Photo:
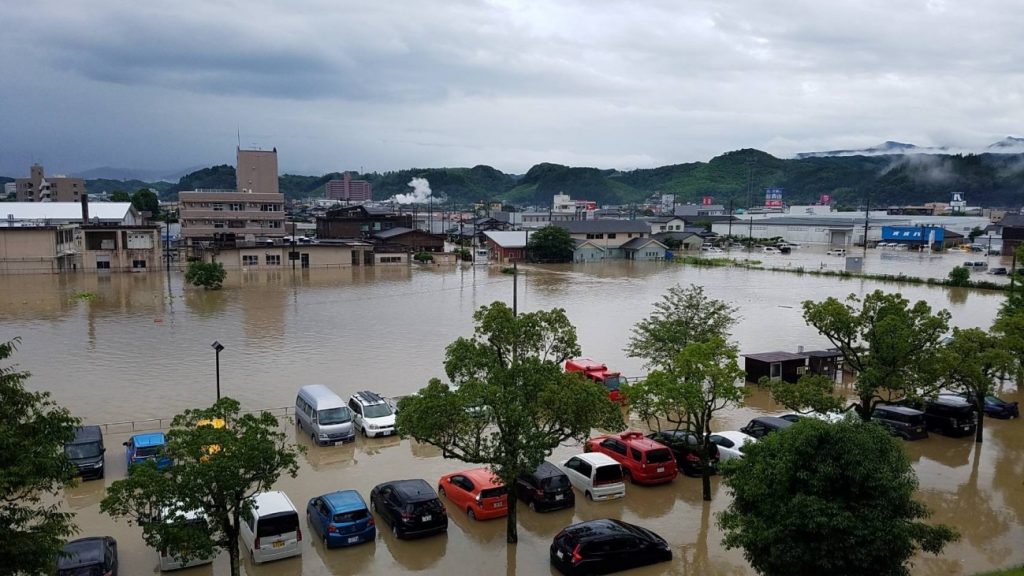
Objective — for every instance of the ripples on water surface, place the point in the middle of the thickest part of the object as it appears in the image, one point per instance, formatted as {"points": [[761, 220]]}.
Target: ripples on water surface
{"points": [[139, 349]]}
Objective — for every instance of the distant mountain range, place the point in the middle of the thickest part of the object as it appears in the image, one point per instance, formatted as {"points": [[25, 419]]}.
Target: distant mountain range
{"points": [[109, 173], [1008, 145]]}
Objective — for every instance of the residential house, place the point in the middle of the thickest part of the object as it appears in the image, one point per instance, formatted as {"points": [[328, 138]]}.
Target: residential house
{"points": [[645, 250], [665, 224], [507, 246], [688, 241], [1012, 226], [413, 240], [587, 251], [785, 366], [360, 221], [610, 235]]}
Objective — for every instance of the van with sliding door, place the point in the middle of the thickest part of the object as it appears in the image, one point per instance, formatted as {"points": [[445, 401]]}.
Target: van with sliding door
{"points": [[271, 531], [323, 415]]}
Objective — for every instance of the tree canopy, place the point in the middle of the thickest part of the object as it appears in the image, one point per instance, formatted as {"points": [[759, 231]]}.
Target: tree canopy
{"points": [[509, 403], [892, 345], [145, 200], [971, 362], [214, 469], [33, 469], [681, 317], [209, 275], [824, 498], [550, 244]]}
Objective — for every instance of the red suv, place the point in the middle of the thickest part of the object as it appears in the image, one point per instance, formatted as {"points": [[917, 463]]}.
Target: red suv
{"points": [[643, 460]]}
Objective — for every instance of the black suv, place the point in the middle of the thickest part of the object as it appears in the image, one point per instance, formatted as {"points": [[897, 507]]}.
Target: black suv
{"points": [[96, 555], [684, 446], [548, 488], [764, 425], [907, 423], [411, 507], [86, 452], [948, 415], [601, 546]]}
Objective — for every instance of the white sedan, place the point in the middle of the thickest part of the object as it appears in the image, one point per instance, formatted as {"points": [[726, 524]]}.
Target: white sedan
{"points": [[729, 444]]}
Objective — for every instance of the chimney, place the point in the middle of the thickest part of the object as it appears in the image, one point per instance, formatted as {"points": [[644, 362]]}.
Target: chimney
{"points": [[85, 209]]}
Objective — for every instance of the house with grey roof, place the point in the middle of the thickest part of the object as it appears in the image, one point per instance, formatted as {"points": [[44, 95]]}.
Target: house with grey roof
{"points": [[609, 235]]}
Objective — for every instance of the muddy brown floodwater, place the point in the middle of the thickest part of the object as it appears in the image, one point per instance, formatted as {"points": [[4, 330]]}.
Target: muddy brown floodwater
{"points": [[139, 348]]}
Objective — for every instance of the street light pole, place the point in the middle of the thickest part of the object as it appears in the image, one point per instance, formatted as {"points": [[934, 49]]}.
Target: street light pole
{"points": [[217, 346]]}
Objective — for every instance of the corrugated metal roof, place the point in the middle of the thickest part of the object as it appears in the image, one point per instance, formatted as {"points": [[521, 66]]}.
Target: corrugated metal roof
{"points": [[508, 239], [608, 226], [64, 211]]}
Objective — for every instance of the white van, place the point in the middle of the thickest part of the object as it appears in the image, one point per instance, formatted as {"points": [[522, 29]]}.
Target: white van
{"points": [[324, 415], [596, 475], [192, 520], [271, 530]]}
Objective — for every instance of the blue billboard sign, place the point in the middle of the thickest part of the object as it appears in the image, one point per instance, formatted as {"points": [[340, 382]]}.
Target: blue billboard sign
{"points": [[920, 234]]}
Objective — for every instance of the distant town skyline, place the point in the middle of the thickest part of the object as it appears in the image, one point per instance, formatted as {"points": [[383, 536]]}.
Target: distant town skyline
{"points": [[385, 86]]}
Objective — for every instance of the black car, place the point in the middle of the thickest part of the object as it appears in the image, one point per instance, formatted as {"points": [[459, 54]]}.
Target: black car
{"points": [[907, 423], [684, 447], [411, 507], [996, 407], [608, 545], [86, 452], [96, 556], [947, 414], [547, 488], [764, 425]]}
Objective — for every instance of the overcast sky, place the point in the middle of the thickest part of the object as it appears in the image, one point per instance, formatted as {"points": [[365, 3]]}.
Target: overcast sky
{"points": [[382, 85]]}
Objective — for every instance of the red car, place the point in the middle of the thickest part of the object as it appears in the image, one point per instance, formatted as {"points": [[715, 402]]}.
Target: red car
{"points": [[643, 460], [477, 492]]}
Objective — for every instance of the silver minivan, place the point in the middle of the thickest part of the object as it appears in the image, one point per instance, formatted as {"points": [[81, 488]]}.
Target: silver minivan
{"points": [[324, 415]]}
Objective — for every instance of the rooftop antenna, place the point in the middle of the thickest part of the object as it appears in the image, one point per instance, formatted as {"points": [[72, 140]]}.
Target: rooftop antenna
{"points": [[238, 133]]}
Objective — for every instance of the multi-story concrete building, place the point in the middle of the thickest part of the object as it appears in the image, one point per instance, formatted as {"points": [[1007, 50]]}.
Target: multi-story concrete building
{"points": [[257, 171], [39, 188], [348, 189], [207, 214], [253, 211]]}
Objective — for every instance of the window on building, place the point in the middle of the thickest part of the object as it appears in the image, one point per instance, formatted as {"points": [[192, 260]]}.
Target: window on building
{"points": [[611, 236], [236, 224], [274, 224], [273, 259], [250, 260], [218, 206], [269, 208], [390, 259], [219, 224], [236, 207], [138, 264], [660, 229], [103, 265]]}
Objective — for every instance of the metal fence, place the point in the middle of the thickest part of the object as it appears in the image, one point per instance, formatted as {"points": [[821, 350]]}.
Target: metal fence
{"points": [[129, 426]]}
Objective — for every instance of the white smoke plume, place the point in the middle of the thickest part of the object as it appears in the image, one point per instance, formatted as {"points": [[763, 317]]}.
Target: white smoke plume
{"points": [[420, 193]]}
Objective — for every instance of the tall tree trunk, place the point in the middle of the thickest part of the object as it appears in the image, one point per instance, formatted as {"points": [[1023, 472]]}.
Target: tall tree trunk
{"points": [[979, 405], [511, 533], [864, 409], [705, 465], [233, 554]]}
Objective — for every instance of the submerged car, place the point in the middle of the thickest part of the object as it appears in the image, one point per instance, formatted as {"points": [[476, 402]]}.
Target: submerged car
{"points": [[547, 488], [607, 545], [730, 444], [476, 491], [643, 460], [341, 519], [684, 446], [411, 507], [88, 557], [143, 447], [996, 407]]}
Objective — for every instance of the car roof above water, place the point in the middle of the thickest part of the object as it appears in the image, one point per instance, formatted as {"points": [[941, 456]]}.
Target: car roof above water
{"points": [[87, 434], [81, 552], [416, 490], [345, 500], [150, 439]]}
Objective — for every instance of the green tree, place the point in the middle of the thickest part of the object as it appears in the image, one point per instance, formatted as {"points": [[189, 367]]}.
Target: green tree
{"points": [[33, 469], [550, 244], [209, 275], [703, 379], [214, 469], [959, 276], [509, 403], [683, 316], [145, 200], [974, 233], [423, 257], [971, 362], [827, 498], [1010, 320], [120, 196], [892, 345]]}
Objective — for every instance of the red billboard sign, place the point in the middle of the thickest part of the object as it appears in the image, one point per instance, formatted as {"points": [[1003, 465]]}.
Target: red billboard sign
{"points": [[708, 201]]}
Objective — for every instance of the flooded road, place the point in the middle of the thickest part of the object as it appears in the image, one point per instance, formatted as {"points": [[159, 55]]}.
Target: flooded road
{"points": [[135, 348]]}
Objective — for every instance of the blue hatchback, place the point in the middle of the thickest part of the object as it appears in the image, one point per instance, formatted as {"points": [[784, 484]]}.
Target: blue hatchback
{"points": [[143, 447], [341, 518]]}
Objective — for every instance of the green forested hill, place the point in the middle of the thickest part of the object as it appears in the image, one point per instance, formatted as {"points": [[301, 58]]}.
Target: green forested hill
{"points": [[739, 176]]}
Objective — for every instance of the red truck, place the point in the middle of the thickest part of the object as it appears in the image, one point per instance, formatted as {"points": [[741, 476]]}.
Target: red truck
{"points": [[598, 372]]}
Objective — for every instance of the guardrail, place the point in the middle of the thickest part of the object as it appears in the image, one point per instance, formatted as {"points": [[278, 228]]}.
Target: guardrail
{"points": [[127, 426]]}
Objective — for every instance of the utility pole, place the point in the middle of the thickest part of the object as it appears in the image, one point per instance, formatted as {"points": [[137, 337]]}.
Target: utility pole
{"points": [[515, 290], [867, 210]]}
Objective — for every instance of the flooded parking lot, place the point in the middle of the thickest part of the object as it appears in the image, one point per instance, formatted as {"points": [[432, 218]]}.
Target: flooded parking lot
{"points": [[133, 347]]}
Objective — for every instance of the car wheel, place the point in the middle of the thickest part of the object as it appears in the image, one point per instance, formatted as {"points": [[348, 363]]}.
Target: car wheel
{"points": [[364, 433], [312, 437], [326, 546], [373, 506], [626, 475], [394, 530], [472, 515], [441, 493], [532, 505], [589, 497]]}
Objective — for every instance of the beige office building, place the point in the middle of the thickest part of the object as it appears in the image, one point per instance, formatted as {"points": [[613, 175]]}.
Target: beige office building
{"points": [[257, 171], [40, 188]]}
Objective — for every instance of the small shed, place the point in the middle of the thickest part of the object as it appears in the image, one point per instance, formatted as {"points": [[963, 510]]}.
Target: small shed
{"points": [[825, 362], [786, 366]]}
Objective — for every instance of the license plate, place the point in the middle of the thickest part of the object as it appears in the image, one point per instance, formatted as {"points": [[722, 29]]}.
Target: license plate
{"points": [[353, 539], [279, 544], [559, 496], [661, 468], [426, 518], [560, 554]]}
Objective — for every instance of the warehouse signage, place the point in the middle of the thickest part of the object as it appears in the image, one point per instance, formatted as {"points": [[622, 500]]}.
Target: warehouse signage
{"points": [[921, 234]]}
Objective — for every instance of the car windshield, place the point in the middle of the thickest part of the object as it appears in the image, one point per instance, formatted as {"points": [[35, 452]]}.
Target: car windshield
{"points": [[334, 416], [376, 411], [90, 450], [612, 382], [659, 455], [993, 400], [147, 451], [555, 483]]}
